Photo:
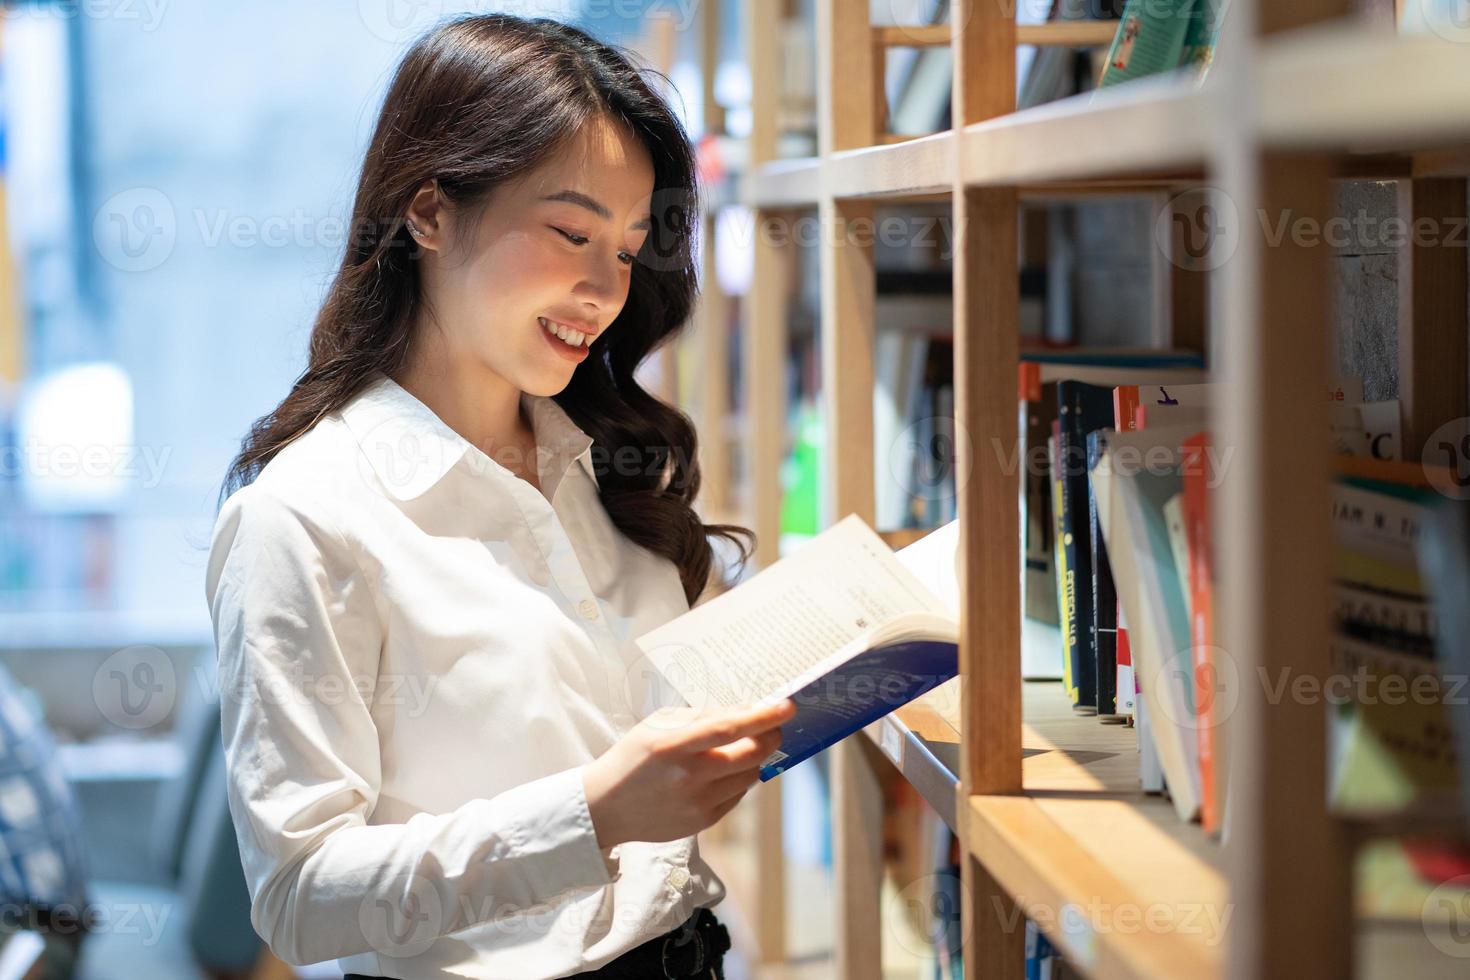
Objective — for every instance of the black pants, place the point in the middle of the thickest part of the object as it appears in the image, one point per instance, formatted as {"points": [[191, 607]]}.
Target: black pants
{"points": [[695, 949]]}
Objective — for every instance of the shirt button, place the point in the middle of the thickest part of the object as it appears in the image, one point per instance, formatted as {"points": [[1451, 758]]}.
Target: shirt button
{"points": [[678, 877], [588, 608]]}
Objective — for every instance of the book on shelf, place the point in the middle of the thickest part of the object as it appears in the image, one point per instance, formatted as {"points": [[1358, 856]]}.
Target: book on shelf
{"points": [[1382, 427], [1400, 734], [1150, 40], [1139, 524], [1040, 371], [1088, 411], [1082, 408], [841, 625], [1038, 549], [1391, 743], [1158, 36], [1051, 72], [1104, 631], [1150, 770], [1133, 497], [1127, 684], [899, 363], [1065, 581], [1198, 560], [913, 428], [1444, 561], [1203, 33]]}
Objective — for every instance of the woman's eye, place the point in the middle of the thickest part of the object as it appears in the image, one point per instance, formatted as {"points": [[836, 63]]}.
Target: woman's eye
{"points": [[624, 257]]}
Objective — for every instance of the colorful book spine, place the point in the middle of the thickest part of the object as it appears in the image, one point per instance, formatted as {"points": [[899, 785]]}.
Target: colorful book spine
{"points": [[1205, 17], [1072, 471], [1082, 409], [1201, 606], [1104, 597], [1150, 39], [1127, 689], [1066, 591], [1038, 409]]}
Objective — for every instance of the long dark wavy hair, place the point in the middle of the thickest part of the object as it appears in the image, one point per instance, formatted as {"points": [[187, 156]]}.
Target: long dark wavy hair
{"points": [[479, 100]]}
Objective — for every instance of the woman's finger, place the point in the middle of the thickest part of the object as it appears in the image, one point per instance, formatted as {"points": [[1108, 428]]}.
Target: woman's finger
{"points": [[729, 726], [747, 752]]}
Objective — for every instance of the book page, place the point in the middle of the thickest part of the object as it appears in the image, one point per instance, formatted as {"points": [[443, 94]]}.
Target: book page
{"points": [[741, 646], [934, 560]]}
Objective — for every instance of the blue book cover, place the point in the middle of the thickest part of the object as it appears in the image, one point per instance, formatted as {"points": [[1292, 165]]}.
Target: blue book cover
{"points": [[858, 693]]}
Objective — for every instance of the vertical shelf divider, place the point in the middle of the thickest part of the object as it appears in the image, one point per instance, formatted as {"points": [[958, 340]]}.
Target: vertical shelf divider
{"points": [[763, 347], [1274, 534], [714, 308], [986, 329], [847, 90]]}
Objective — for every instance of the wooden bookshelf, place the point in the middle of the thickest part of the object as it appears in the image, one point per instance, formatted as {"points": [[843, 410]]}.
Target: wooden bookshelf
{"points": [[1056, 845], [1046, 804]]}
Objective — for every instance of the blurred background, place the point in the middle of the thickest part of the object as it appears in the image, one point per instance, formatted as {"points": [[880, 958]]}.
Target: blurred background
{"points": [[177, 182]]}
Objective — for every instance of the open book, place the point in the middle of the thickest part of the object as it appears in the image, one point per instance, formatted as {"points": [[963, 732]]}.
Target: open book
{"points": [[842, 626]]}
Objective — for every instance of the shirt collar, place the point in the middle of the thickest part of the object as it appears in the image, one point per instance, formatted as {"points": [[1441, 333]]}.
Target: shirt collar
{"points": [[409, 448]]}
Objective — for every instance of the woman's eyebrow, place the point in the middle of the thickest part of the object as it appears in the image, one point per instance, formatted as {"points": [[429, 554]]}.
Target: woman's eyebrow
{"points": [[582, 200]]}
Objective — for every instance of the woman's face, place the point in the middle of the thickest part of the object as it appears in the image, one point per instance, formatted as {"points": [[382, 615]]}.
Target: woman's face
{"points": [[557, 244]]}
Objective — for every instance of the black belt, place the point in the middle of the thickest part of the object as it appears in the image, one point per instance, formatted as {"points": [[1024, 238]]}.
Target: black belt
{"points": [[694, 950]]}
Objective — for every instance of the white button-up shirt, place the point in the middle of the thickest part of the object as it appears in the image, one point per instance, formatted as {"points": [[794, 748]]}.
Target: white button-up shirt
{"points": [[418, 654]]}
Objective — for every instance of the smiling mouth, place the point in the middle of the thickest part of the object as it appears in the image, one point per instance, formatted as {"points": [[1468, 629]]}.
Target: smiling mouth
{"points": [[564, 333]]}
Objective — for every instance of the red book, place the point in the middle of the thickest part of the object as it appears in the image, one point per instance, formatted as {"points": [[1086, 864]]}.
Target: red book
{"points": [[1201, 627]]}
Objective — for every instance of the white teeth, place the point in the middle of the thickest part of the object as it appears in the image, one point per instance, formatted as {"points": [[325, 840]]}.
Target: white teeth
{"points": [[570, 336]]}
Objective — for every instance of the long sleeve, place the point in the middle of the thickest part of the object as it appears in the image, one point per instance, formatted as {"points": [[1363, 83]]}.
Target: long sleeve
{"points": [[299, 634]]}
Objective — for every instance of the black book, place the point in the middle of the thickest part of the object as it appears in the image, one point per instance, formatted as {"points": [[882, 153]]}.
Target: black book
{"points": [[1081, 408], [1104, 595]]}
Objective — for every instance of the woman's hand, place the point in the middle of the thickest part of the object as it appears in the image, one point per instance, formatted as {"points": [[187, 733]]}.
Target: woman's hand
{"points": [[679, 771]]}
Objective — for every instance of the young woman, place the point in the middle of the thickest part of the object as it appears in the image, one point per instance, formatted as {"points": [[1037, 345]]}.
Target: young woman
{"points": [[447, 755]]}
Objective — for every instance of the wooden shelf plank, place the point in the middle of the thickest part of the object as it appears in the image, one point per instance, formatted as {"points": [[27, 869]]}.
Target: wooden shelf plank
{"points": [[1071, 140], [919, 166], [1340, 86], [1124, 851], [922, 165], [1069, 34], [1127, 855], [1126, 888], [912, 35], [1168, 126], [782, 184], [1068, 862], [1083, 838]]}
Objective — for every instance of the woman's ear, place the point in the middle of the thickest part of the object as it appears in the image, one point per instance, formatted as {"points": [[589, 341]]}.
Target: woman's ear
{"points": [[426, 216]]}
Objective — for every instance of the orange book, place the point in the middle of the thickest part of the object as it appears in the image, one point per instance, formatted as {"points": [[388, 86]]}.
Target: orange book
{"points": [[1195, 451], [1029, 381], [1125, 404]]}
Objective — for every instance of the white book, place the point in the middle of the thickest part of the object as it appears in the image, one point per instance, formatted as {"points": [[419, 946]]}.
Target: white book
{"points": [[1149, 590], [840, 625]]}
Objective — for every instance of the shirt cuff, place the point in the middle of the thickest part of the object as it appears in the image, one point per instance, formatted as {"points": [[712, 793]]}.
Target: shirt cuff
{"points": [[553, 829]]}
